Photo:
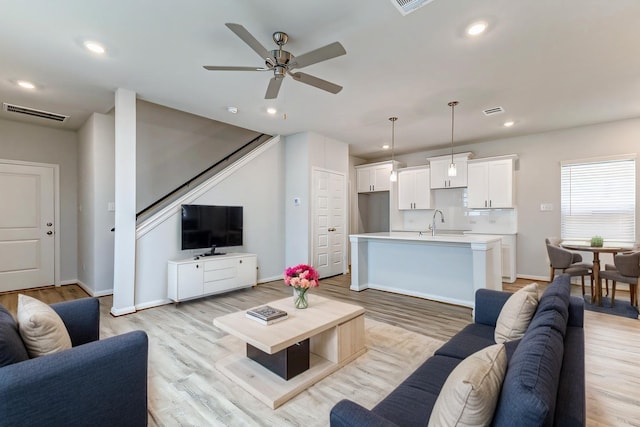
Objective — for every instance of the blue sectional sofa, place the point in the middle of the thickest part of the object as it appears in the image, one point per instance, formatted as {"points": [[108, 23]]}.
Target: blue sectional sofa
{"points": [[544, 383], [94, 383]]}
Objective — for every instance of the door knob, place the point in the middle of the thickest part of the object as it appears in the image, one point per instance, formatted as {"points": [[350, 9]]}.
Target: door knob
{"points": [[49, 233], [332, 229], [49, 224]]}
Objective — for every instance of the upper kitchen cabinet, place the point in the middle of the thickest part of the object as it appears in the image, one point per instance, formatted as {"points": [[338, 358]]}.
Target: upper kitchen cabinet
{"points": [[439, 171], [491, 182], [374, 177], [414, 191]]}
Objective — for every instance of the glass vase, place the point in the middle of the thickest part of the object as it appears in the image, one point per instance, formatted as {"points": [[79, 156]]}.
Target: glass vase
{"points": [[300, 299]]}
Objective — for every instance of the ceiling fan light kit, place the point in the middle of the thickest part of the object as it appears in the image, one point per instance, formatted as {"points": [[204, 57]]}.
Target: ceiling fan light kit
{"points": [[282, 62]]}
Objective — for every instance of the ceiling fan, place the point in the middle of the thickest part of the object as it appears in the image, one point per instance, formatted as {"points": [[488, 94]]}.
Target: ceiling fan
{"points": [[282, 62]]}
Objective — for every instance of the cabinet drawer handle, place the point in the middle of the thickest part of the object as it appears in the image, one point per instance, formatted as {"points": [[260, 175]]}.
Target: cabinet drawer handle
{"points": [[240, 261], [197, 266], [489, 203], [485, 203]]}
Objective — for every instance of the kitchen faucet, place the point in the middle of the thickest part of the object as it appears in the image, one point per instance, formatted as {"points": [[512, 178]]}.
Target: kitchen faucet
{"points": [[433, 221]]}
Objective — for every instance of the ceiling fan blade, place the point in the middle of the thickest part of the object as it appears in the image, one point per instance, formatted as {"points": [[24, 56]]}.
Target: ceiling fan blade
{"points": [[246, 37], [316, 82], [321, 54], [232, 68], [273, 88]]}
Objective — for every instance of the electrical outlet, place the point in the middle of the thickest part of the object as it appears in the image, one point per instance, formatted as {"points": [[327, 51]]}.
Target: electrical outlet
{"points": [[546, 207]]}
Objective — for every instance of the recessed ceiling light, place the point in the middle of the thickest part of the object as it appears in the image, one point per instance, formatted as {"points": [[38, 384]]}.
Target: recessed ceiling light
{"points": [[271, 110], [94, 47], [509, 124], [232, 110], [476, 28], [25, 84], [385, 147]]}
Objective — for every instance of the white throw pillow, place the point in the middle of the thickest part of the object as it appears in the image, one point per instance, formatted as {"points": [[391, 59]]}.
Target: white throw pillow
{"points": [[470, 394], [516, 314], [42, 330]]}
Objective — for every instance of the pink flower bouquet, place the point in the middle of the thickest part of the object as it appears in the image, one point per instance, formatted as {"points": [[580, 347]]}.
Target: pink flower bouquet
{"points": [[301, 276]]}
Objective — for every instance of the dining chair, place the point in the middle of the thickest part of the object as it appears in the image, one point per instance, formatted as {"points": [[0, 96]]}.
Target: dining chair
{"points": [[627, 270], [568, 262], [635, 248]]}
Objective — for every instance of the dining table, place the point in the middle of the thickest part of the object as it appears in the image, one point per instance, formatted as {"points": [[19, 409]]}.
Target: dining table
{"points": [[596, 251]]}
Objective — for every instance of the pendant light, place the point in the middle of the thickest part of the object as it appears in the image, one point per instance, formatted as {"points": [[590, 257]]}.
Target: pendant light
{"points": [[452, 171], [394, 174]]}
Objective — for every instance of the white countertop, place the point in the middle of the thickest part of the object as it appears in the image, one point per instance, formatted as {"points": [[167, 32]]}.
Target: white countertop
{"points": [[427, 237]]}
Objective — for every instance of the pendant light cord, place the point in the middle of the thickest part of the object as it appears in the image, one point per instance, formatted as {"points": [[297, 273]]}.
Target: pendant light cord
{"points": [[452, 104]]}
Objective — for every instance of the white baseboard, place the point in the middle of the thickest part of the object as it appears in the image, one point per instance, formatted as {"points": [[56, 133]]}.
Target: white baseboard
{"points": [[151, 304], [68, 282], [532, 277], [122, 311], [270, 279], [91, 292]]}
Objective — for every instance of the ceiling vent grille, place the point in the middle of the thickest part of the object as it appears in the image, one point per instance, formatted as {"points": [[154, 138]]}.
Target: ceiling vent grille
{"points": [[492, 111], [11, 108], [407, 6]]}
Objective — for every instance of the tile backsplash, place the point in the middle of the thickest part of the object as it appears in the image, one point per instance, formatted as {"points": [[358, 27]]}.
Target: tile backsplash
{"points": [[453, 204]]}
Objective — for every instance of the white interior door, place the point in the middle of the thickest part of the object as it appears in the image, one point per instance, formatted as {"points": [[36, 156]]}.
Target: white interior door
{"points": [[27, 244], [329, 222]]}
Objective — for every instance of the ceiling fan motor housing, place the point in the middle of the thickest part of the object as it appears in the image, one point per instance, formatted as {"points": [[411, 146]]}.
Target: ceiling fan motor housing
{"points": [[282, 58]]}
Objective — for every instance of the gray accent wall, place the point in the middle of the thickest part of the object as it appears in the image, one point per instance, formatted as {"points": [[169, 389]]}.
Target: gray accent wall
{"points": [[32, 143], [174, 146]]}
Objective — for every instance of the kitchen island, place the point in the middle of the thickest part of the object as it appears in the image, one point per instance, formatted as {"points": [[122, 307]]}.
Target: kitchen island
{"points": [[445, 268]]}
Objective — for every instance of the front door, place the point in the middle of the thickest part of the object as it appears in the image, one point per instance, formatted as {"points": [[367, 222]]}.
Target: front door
{"points": [[27, 244], [329, 222]]}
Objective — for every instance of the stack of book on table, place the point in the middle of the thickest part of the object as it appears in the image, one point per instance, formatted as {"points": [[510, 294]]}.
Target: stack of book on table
{"points": [[266, 314]]}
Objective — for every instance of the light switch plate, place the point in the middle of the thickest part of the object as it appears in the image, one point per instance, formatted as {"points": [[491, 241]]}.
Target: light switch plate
{"points": [[111, 206], [546, 207]]}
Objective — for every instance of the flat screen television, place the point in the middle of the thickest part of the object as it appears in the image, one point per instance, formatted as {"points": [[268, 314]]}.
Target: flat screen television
{"points": [[206, 226]]}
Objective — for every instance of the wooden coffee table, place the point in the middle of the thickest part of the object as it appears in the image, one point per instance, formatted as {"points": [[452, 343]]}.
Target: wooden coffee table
{"points": [[335, 330]]}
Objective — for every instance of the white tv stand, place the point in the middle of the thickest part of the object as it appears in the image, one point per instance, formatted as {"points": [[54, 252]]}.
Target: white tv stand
{"points": [[201, 276]]}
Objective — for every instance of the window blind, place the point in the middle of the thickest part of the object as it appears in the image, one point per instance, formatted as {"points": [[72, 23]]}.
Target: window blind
{"points": [[599, 198]]}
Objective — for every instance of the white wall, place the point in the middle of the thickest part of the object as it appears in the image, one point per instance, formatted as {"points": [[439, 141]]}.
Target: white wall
{"points": [[258, 186], [538, 177], [33, 143], [303, 152], [96, 189]]}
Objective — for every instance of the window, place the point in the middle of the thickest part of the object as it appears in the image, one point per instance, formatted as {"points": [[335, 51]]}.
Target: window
{"points": [[598, 197]]}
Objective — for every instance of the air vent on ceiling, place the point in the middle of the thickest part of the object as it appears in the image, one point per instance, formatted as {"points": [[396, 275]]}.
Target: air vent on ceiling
{"points": [[407, 6], [492, 111], [11, 108]]}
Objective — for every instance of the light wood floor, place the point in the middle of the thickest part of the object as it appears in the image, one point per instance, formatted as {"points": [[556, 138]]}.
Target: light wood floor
{"points": [[612, 343]]}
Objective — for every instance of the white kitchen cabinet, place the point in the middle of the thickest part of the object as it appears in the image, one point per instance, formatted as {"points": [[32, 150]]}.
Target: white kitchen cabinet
{"points": [[414, 191], [201, 276], [491, 183], [439, 171], [373, 177]]}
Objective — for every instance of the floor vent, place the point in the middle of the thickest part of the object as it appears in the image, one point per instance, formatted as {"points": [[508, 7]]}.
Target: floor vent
{"points": [[11, 108], [407, 6], [492, 111]]}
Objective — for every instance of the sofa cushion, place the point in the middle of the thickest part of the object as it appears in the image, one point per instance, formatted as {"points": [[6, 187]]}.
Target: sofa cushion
{"points": [[12, 348], [411, 402], [516, 314], [528, 396], [474, 337], [41, 329], [470, 394]]}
